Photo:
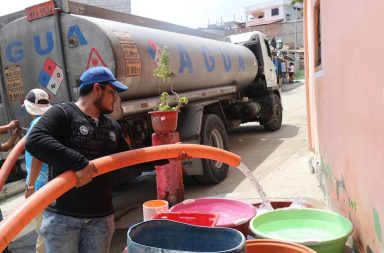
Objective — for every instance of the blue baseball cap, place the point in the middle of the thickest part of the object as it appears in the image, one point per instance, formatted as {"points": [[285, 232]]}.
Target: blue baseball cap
{"points": [[101, 75]]}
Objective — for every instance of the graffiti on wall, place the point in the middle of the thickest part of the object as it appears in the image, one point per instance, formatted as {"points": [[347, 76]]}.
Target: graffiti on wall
{"points": [[336, 186]]}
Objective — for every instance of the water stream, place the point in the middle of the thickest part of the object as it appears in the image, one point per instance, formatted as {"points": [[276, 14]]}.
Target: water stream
{"points": [[266, 203]]}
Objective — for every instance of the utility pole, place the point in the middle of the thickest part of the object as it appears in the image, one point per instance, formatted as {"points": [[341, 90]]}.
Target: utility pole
{"points": [[295, 41], [295, 34]]}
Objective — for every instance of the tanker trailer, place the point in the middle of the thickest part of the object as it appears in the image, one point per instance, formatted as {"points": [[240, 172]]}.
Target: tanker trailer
{"points": [[226, 84]]}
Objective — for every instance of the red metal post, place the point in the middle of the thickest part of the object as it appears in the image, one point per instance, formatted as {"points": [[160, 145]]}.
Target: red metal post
{"points": [[169, 177]]}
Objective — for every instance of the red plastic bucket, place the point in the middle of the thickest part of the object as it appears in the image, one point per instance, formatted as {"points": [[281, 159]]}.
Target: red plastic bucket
{"points": [[232, 213], [199, 219]]}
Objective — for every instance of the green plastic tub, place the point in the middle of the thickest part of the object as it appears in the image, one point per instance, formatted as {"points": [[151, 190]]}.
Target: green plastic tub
{"points": [[321, 230]]}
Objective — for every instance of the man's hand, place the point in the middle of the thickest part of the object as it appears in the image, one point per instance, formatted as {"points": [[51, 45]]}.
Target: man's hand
{"points": [[10, 142], [184, 156], [85, 175], [15, 133], [28, 192], [14, 124]]}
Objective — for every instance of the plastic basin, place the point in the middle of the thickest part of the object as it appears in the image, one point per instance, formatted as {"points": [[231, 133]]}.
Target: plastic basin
{"points": [[161, 236], [274, 246], [321, 230], [232, 213]]}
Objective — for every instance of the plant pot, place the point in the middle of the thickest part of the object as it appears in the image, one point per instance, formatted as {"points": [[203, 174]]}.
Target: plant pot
{"points": [[164, 121]]}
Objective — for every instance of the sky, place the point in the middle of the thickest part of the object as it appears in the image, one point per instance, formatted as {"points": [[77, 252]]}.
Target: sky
{"points": [[191, 13]]}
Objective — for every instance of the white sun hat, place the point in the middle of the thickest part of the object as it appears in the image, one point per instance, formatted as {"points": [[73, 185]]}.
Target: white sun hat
{"points": [[37, 102]]}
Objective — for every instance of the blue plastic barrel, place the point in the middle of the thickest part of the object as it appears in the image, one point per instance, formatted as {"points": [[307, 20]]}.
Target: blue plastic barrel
{"points": [[161, 236]]}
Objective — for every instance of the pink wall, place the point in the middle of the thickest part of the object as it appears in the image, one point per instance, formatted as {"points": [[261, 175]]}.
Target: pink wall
{"points": [[346, 109]]}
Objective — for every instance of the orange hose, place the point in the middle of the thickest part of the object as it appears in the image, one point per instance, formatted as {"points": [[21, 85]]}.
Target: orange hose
{"points": [[38, 201], [10, 161]]}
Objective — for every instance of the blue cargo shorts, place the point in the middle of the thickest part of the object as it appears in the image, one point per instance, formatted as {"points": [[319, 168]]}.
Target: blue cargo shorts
{"points": [[65, 234]]}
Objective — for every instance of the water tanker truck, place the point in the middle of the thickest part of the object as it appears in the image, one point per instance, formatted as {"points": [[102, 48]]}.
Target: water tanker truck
{"points": [[48, 46]]}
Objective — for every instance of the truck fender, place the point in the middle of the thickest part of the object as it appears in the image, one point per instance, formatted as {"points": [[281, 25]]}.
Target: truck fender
{"points": [[191, 117], [208, 115], [189, 128]]}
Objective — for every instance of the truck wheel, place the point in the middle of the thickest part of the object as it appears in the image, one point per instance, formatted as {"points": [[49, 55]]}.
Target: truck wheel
{"points": [[213, 133], [273, 122]]}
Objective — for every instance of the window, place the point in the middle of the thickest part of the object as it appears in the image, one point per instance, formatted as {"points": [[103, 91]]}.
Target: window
{"points": [[275, 11], [268, 49], [258, 14], [288, 17], [317, 31]]}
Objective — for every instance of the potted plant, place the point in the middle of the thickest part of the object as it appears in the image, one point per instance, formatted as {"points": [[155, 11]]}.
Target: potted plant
{"points": [[165, 114]]}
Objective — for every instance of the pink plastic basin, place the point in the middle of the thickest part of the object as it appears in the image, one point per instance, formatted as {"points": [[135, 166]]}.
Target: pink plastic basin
{"points": [[232, 213]]}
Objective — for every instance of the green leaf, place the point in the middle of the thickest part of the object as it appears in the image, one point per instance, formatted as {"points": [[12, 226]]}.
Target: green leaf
{"points": [[164, 72]]}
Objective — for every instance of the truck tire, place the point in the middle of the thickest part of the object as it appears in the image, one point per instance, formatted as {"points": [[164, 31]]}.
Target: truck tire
{"points": [[273, 122], [213, 133]]}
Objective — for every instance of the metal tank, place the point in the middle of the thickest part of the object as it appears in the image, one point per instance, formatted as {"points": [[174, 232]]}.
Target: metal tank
{"points": [[53, 51], [198, 63], [31, 57]]}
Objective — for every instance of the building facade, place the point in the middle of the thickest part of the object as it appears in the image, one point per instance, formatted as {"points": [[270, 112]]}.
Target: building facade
{"points": [[291, 33], [117, 5], [271, 11], [345, 98]]}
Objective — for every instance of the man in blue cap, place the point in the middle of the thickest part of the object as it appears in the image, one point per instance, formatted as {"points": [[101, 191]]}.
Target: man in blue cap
{"points": [[68, 137]]}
